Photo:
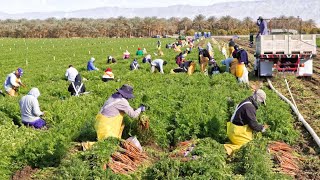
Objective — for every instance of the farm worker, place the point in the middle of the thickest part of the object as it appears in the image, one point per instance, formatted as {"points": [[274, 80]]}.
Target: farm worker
{"points": [[13, 82], [204, 58], [111, 60], [30, 109], [213, 68], [134, 65], [242, 73], [108, 75], [160, 52], [231, 47], [71, 73], [90, 66], [224, 51], [251, 40], [146, 59], [145, 51], [158, 64], [187, 66], [158, 44], [244, 121], [126, 55], [139, 52], [209, 48], [109, 121], [190, 45], [77, 87], [263, 29], [177, 49]]}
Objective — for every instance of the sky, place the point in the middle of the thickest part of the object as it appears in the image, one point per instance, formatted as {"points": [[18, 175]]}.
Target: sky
{"points": [[20, 6]]}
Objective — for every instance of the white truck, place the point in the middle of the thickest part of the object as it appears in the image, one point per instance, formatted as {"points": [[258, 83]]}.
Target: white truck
{"points": [[285, 53]]}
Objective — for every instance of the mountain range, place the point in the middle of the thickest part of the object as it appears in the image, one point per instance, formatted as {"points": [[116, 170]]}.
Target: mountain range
{"points": [[306, 9]]}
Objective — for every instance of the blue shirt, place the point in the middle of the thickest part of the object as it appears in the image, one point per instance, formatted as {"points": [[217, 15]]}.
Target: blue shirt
{"points": [[90, 66]]}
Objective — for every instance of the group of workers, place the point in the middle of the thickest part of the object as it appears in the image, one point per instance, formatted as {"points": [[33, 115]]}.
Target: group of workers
{"points": [[109, 121]]}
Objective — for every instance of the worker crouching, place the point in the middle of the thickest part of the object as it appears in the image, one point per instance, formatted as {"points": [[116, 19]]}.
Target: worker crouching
{"points": [[109, 121], [243, 122]]}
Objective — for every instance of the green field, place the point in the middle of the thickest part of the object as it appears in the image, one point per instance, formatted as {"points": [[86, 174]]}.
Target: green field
{"points": [[318, 42], [182, 107]]}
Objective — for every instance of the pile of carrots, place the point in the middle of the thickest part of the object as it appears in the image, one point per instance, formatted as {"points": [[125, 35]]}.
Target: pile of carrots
{"points": [[282, 154], [183, 150], [126, 159]]}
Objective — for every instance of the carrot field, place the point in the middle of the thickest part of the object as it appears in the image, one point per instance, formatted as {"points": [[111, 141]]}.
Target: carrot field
{"points": [[180, 108]]}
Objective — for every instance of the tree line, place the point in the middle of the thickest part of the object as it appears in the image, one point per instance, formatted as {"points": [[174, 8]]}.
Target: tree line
{"points": [[144, 27]]}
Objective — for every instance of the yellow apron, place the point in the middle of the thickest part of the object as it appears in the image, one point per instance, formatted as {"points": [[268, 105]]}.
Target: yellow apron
{"points": [[109, 126], [238, 135], [191, 68], [233, 66], [239, 70]]}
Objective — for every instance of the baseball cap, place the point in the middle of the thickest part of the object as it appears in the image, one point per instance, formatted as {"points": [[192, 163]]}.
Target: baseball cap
{"points": [[260, 96], [20, 71]]}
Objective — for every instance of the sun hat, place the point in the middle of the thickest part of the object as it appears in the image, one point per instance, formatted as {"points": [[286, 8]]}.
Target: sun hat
{"points": [[260, 96], [126, 91]]}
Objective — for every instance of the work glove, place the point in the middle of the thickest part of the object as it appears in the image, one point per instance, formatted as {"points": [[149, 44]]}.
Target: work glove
{"points": [[143, 108]]}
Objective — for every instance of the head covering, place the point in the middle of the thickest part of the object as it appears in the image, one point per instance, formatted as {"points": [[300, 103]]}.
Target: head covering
{"points": [[260, 17], [19, 71], [260, 96], [34, 92], [108, 70], [135, 61], [92, 59], [78, 78], [110, 57], [139, 48], [126, 91]]}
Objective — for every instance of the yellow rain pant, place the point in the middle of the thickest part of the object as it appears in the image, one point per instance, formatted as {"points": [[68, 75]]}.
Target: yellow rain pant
{"points": [[191, 68], [203, 63], [12, 92], [109, 127], [238, 135]]}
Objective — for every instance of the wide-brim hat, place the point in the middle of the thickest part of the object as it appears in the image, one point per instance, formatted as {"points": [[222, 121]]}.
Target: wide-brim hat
{"points": [[126, 91]]}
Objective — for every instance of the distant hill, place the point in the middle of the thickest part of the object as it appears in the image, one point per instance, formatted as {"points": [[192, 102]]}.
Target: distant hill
{"points": [[306, 9]]}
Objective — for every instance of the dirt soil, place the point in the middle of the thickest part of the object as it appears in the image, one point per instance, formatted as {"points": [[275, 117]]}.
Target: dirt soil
{"points": [[306, 92], [24, 174]]}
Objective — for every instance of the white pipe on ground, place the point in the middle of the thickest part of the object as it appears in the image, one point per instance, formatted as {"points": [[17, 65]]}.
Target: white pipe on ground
{"points": [[300, 117]]}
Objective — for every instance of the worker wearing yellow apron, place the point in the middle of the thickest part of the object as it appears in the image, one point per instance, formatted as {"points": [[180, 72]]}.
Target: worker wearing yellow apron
{"points": [[109, 121], [243, 122]]}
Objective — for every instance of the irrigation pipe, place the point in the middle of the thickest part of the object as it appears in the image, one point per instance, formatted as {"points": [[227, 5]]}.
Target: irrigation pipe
{"points": [[300, 117]]}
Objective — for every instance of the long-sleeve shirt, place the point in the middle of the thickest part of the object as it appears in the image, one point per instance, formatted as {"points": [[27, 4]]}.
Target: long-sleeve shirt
{"points": [[263, 29], [11, 81], [158, 63], [246, 114], [71, 74], [114, 106], [90, 66], [29, 106]]}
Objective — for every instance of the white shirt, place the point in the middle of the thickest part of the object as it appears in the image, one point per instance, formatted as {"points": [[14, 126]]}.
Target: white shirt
{"points": [[71, 74], [11, 81]]}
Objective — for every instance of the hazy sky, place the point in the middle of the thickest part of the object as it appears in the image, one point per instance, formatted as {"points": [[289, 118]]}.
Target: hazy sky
{"points": [[18, 6]]}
